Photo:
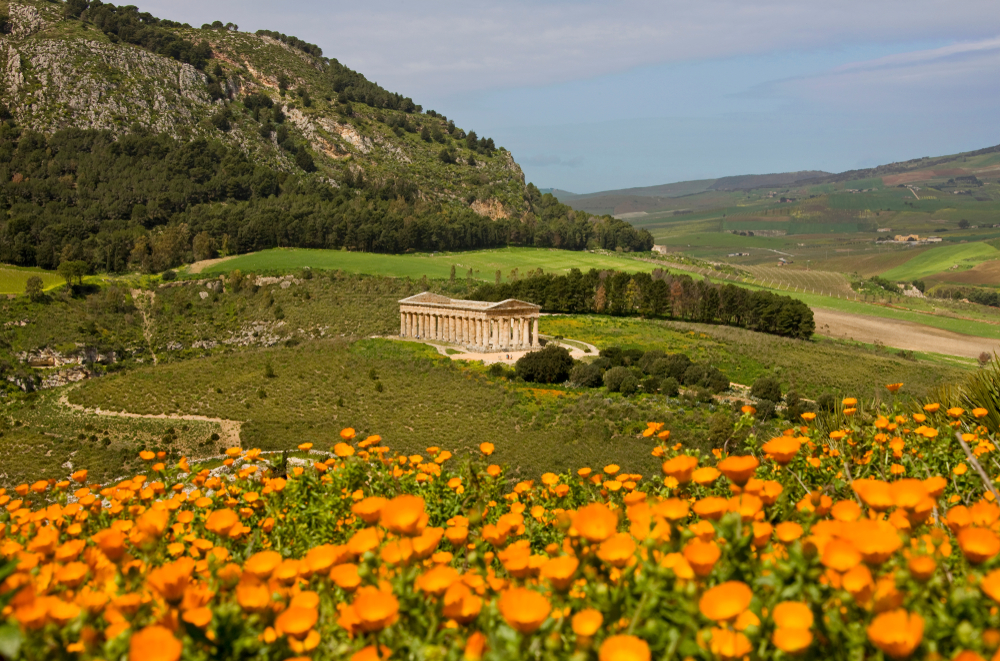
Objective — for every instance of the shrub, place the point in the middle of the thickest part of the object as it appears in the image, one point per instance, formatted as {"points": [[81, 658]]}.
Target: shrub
{"points": [[586, 375], [827, 402], [670, 387], [649, 359], [765, 410], [629, 384], [705, 376], [169, 275], [650, 384], [550, 365], [613, 378], [766, 387]]}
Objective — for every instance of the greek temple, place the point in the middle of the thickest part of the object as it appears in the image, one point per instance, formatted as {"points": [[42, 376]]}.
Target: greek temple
{"points": [[478, 325]]}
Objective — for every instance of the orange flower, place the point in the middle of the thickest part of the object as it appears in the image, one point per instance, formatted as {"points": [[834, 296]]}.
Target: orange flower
{"points": [[587, 622], [980, 412], [111, 542], [595, 522], [782, 449], [486, 448], [793, 615], [792, 641], [893, 387], [840, 555], [726, 601], [559, 572], [348, 433], [461, 604], [252, 597], [617, 550], [435, 581], [72, 574], [624, 648], [875, 493], [296, 621], [200, 617], [739, 469], [680, 468], [897, 632], [728, 644], [788, 531], [262, 564], [171, 580], [705, 476], [524, 609], [702, 556], [978, 544], [991, 585], [403, 515], [474, 647], [346, 576], [154, 643], [343, 450], [222, 522], [922, 567], [375, 608]]}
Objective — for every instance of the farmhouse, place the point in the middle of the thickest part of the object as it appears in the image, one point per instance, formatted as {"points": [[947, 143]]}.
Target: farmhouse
{"points": [[478, 325]]}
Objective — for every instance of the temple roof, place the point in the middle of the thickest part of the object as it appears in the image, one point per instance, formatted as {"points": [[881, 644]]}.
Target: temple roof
{"points": [[438, 301]]}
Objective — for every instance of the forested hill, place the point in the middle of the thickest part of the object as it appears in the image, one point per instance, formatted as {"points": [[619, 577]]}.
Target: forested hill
{"points": [[134, 141]]}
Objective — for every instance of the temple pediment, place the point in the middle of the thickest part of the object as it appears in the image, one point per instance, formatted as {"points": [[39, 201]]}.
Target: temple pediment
{"points": [[481, 325]]}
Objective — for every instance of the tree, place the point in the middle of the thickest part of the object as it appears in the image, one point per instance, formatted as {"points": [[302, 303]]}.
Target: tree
{"points": [[305, 161], [203, 246], [446, 156], [614, 377], [425, 134], [34, 288], [586, 375], [71, 270], [451, 277], [964, 224], [766, 387], [550, 365]]}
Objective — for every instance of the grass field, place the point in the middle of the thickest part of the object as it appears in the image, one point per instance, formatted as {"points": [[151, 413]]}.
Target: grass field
{"points": [[14, 278], [484, 263], [984, 273], [936, 260], [425, 400], [823, 282]]}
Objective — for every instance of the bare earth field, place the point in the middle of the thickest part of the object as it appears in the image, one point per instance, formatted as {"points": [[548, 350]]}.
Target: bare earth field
{"points": [[900, 334]]}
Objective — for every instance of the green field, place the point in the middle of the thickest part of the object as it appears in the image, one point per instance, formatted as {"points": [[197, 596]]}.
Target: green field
{"points": [[936, 260], [484, 263], [14, 278]]}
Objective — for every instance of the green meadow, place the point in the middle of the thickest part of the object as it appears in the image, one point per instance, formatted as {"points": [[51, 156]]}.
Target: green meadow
{"points": [[936, 260], [14, 278], [484, 263]]}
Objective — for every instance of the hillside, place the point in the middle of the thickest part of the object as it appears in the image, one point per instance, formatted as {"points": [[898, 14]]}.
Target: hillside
{"points": [[653, 198], [133, 142]]}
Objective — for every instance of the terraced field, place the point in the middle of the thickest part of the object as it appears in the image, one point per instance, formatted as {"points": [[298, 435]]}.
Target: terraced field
{"points": [[13, 278], [828, 283]]}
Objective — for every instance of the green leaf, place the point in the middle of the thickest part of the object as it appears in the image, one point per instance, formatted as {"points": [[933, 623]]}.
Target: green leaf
{"points": [[10, 641]]}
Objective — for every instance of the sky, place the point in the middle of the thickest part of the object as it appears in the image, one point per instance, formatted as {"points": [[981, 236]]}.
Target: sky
{"points": [[593, 96]]}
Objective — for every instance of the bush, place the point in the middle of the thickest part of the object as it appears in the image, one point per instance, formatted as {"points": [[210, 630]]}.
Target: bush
{"points": [[498, 370], [614, 377], [707, 377], [670, 387], [550, 365], [674, 365], [827, 402], [650, 385], [169, 275], [766, 387], [649, 359], [586, 375], [765, 410], [629, 384]]}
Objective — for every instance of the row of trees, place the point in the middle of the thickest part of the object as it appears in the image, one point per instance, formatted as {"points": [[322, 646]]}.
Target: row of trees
{"points": [[140, 200], [658, 294]]}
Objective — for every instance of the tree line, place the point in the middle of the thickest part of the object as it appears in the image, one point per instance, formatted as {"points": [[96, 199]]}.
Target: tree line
{"points": [[147, 201], [659, 294]]}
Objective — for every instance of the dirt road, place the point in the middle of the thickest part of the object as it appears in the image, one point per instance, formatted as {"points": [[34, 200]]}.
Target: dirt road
{"points": [[900, 334]]}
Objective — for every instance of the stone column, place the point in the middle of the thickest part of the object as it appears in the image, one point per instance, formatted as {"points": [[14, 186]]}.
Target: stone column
{"points": [[461, 329], [453, 331], [504, 332], [438, 326], [466, 330], [478, 332], [534, 333]]}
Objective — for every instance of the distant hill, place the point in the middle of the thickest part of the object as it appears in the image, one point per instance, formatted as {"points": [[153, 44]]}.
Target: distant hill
{"points": [[922, 168], [652, 198]]}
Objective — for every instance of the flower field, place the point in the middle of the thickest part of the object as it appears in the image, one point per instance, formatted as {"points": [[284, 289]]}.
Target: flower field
{"points": [[868, 533]]}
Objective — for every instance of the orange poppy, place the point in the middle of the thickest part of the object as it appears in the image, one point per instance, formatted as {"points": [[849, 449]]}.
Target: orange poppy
{"points": [[792, 615], [460, 603], [623, 648], [587, 622], [617, 550], [222, 522], [792, 641], [897, 633], [701, 556], [726, 601], [375, 608], [978, 544], [739, 469], [680, 468], [154, 643], [296, 621], [782, 449], [727, 644], [559, 572], [595, 522], [403, 515], [524, 609]]}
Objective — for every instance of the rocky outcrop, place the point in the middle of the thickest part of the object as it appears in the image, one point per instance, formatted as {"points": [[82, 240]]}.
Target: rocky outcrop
{"points": [[491, 208]]}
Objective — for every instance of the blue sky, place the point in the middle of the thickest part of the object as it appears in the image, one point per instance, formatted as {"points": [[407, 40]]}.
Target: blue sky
{"points": [[599, 95]]}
